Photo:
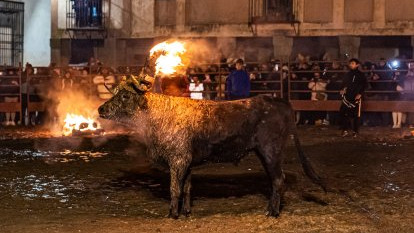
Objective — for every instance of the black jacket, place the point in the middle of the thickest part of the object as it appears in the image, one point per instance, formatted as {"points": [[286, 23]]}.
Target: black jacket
{"points": [[355, 83]]}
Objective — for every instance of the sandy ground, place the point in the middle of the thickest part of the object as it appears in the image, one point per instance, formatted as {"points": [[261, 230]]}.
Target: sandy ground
{"points": [[101, 184]]}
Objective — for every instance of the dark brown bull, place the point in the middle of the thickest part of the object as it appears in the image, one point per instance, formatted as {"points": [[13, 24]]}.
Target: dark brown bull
{"points": [[182, 133]]}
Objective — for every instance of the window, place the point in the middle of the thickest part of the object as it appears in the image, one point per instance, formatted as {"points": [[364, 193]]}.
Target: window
{"points": [[11, 33], [84, 14]]}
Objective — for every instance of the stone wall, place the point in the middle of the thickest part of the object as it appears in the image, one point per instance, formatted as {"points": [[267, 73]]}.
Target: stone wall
{"points": [[216, 12]]}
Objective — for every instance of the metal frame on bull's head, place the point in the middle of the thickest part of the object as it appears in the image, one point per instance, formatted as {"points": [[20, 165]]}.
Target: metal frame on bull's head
{"points": [[133, 84]]}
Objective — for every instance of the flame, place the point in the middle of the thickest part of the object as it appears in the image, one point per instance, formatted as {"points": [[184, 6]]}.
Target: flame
{"points": [[80, 123], [170, 58]]}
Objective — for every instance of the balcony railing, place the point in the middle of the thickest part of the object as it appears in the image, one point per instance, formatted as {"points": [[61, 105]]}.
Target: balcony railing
{"points": [[271, 11], [85, 14]]}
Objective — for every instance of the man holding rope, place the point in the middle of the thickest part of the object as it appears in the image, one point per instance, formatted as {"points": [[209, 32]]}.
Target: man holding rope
{"points": [[353, 87]]}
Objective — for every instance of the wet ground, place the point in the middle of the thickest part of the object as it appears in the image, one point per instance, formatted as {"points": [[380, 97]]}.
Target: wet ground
{"points": [[102, 184]]}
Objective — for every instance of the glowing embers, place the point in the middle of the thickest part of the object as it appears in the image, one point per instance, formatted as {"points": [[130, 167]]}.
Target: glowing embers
{"points": [[170, 57], [78, 125]]}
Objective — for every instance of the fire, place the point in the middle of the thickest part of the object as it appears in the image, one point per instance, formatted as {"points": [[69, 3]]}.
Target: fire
{"points": [[170, 58], [79, 123]]}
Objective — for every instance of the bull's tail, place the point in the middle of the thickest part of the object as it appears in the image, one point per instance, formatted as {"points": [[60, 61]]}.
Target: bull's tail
{"points": [[306, 165]]}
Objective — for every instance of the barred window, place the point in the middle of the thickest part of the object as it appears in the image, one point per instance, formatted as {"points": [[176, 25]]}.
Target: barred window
{"points": [[11, 33], [84, 13]]}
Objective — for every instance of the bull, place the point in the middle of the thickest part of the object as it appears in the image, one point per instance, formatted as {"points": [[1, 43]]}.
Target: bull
{"points": [[183, 133]]}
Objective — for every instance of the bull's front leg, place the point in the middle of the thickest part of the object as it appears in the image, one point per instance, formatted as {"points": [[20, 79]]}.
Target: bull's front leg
{"points": [[178, 171]]}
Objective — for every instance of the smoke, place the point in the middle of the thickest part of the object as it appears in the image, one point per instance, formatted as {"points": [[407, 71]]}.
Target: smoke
{"points": [[201, 52]]}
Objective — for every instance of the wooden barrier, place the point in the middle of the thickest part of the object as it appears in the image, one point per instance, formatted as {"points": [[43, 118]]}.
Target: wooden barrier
{"points": [[367, 106], [10, 107], [36, 107]]}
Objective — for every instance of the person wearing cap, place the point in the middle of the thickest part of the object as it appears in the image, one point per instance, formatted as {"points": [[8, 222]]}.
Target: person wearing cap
{"points": [[353, 87], [238, 83]]}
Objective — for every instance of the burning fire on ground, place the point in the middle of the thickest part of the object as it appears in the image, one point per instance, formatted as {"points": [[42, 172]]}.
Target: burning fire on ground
{"points": [[75, 113], [80, 125]]}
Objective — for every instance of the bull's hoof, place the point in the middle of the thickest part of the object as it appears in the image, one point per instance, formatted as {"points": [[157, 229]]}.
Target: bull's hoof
{"points": [[173, 215], [273, 213], [187, 213]]}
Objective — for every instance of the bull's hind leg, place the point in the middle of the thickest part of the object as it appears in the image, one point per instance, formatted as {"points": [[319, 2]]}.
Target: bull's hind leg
{"points": [[272, 160], [178, 172], [186, 210]]}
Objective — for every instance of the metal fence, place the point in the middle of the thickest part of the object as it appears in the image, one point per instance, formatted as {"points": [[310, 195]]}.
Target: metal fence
{"points": [[281, 80]]}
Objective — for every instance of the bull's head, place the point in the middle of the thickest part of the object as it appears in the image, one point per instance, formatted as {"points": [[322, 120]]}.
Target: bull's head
{"points": [[128, 99]]}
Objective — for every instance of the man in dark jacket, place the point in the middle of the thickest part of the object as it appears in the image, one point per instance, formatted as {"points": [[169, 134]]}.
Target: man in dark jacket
{"points": [[354, 85], [238, 83]]}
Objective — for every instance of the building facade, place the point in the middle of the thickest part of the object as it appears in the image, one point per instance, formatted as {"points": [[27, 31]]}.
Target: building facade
{"points": [[257, 30]]}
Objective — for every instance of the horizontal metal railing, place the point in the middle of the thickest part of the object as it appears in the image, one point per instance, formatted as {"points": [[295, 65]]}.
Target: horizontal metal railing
{"points": [[271, 81]]}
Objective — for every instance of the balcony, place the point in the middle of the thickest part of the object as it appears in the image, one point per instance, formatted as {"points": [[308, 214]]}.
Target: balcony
{"points": [[86, 18], [271, 11]]}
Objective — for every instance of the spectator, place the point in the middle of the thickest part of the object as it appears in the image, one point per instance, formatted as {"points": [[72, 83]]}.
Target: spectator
{"points": [[10, 80], [213, 76], [104, 78], [383, 78], [397, 117], [354, 85], [275, 80], [175, 86], [318, 86], [94, 65], [256, 86], [26, 75], [264, 76], [335, 76], [67, 80], [285, 81], [221, 86], [208, 87], [408, 92], [238, 83], [196, 88]]}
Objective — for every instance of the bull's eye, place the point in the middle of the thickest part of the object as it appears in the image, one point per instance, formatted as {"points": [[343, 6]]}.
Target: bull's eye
{"points": [[125, 97]]}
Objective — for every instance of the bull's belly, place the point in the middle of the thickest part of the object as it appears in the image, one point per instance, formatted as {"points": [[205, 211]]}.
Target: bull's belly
{"points": [[230, 151]]}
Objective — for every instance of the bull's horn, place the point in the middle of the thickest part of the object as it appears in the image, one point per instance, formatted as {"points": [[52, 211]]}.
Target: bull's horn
{"points": [[137, 84], [140, 83], [109, 89], [147, 81]]}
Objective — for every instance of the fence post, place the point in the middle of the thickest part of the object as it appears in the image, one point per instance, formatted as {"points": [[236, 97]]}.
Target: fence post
{"points": [[289, 84], [20, 93], [280, 70]]}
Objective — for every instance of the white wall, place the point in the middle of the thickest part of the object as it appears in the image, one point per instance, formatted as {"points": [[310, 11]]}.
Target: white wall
{"points": [[37, 32]]}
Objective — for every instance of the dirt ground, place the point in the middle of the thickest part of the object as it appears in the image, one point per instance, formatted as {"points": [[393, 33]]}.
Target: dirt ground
{"points": [[101, 184]]}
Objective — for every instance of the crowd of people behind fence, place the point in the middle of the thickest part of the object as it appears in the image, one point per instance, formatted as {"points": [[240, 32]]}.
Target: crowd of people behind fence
{"points": [[304, 79]]}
